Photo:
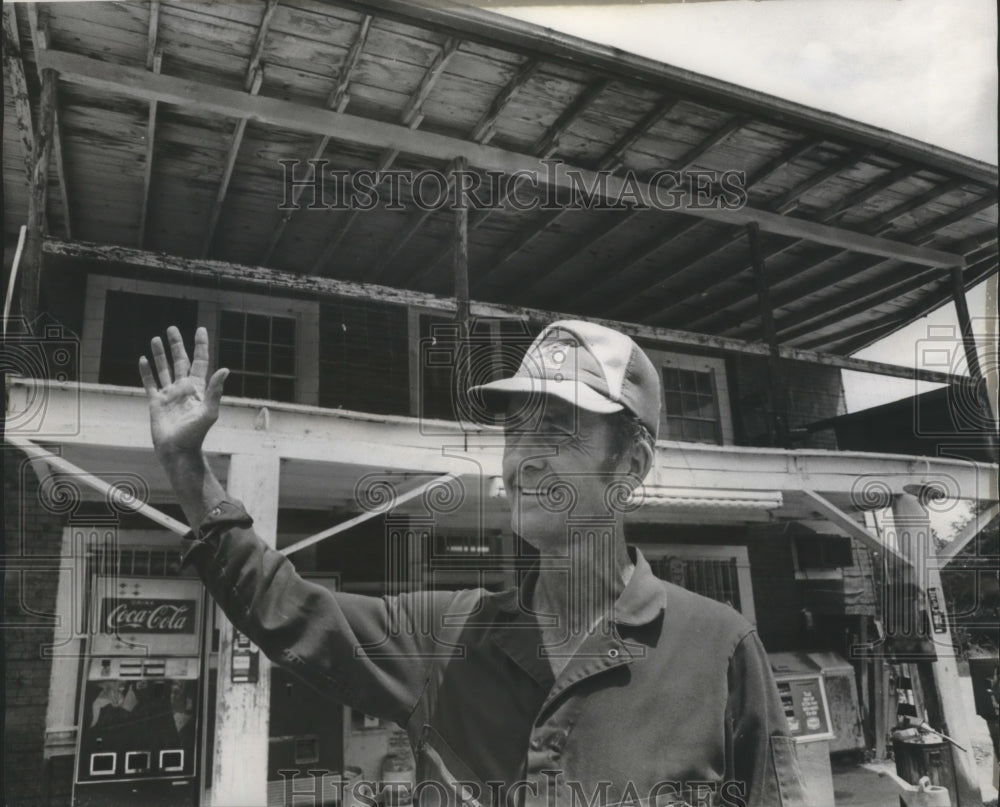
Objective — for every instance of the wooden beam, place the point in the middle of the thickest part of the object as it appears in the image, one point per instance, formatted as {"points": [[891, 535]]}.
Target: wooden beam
{"points": [[487, 27], [227, 172], [545, 147], [152, 32], [31, 269], [461, 265], [155, 63], [136, 83], [338, 101], [482, 132], [789, 200], [270, 7], [683, 164], [242, 710], [599, 293], [40, 41], [411, 117], [13, 64], [838, 517], [219, 271], [776, 393], [976, 525], [607, 162], [920, 237]]}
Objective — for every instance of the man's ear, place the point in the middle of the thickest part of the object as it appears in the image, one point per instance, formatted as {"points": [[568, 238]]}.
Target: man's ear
{"points": [[640, 459]]}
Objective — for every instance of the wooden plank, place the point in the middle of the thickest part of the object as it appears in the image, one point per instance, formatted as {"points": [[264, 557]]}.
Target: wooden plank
{"points": [[260, 275], [685, 163], [412, 115], [242, 710], [276, 112], [461, 260], [257, 53], [155, 64], [31, 270], [482, 132], [565, 49], [14, 70], [40, 41], [227, 172]]}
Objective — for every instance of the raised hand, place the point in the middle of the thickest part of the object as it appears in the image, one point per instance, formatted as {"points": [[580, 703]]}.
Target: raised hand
{"points": [[182, 407]]}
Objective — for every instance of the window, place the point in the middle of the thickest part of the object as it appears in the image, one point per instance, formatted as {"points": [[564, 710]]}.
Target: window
{"points": [[130, 321], [690, 405], [721, 573], [260, 352]]}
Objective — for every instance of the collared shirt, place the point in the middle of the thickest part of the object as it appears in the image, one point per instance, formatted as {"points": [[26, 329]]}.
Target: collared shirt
{"points": [[668, 701]]}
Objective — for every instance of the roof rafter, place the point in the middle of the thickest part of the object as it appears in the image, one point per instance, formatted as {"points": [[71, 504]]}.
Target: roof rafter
{"points": [[695, 153], [635, 258], [922, 236], [483, 131], [252, 81], [545, 147], [739, 266], [337, 100], [651, 300], [606, 163], [412, 117], [14, 70], [134, 83]]}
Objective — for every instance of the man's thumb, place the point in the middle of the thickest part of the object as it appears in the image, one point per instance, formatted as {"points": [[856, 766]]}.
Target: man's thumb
{"points": [[213, 392]]}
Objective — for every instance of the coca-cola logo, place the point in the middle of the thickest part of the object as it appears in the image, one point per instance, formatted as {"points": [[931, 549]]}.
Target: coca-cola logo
{"points": [[148, 616]]}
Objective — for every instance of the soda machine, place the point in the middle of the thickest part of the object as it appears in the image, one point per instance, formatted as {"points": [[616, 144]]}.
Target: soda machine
{"points": [[139, 705]]}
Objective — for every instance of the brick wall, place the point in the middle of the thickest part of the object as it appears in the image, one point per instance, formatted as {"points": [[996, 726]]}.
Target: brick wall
{"points": [[27, 594]]}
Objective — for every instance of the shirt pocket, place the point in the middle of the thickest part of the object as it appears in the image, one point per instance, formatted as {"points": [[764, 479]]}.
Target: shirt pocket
{"points": [[787, 776], [441, 769]]}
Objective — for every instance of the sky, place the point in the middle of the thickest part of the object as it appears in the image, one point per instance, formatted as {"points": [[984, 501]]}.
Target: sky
{"points": [[923, 68]]}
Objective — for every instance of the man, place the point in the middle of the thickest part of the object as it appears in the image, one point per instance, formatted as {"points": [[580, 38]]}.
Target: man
{"points": [[591, 683]]}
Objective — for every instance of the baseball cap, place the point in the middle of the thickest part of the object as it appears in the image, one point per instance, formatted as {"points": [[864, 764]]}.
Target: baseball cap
{"points": [[588, 365]]}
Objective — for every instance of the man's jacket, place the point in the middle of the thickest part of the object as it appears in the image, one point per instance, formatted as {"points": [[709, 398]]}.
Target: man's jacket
{"points": [[669, 701]]}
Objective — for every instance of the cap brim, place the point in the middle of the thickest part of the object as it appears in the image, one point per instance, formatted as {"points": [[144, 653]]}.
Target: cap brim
{"points": [[496, 395]]}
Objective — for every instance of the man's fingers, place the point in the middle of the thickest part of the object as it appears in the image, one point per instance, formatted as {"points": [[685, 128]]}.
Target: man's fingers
{"points": [[178, 352], [213, 391], [160, 360], [199, 367], [146, 374]]}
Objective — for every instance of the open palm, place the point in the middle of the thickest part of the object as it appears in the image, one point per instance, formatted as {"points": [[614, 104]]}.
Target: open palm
{"points": [[183, 405]]}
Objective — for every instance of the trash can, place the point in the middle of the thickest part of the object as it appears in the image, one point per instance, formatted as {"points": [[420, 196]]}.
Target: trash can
{"points": [[927, 755]]}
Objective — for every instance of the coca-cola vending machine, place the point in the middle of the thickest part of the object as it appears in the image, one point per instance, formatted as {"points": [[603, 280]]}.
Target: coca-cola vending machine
{"points": [[139, 705]]}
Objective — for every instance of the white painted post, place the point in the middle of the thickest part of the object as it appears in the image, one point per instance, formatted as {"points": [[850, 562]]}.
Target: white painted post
{"points": [[242, 710], [913, 530]]}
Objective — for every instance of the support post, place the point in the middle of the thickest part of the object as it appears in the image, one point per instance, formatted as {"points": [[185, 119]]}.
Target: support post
{"points": [[912, 532], [461, 262], [776, 397], [242, 710], [31, 270], [972, 357]]}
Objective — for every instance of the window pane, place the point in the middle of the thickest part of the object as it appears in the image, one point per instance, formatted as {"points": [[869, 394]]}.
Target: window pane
{"points": [[703, 382], [706, 432], [256, 358], [258, 328], [283, 389], [231, 354], [234, 385], [705, 408], [687, 381], [689, 403], [672, 403], [282, 360], [231, 325], [675, 428], [255, 386], [283, 331]]}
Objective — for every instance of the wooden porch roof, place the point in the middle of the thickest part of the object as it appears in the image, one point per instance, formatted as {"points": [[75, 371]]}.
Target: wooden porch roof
{"points": [[172, 118]]}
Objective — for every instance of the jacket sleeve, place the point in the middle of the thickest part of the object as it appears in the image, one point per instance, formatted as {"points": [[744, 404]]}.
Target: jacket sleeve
{"points": [[763, 754], [370, 653]]}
